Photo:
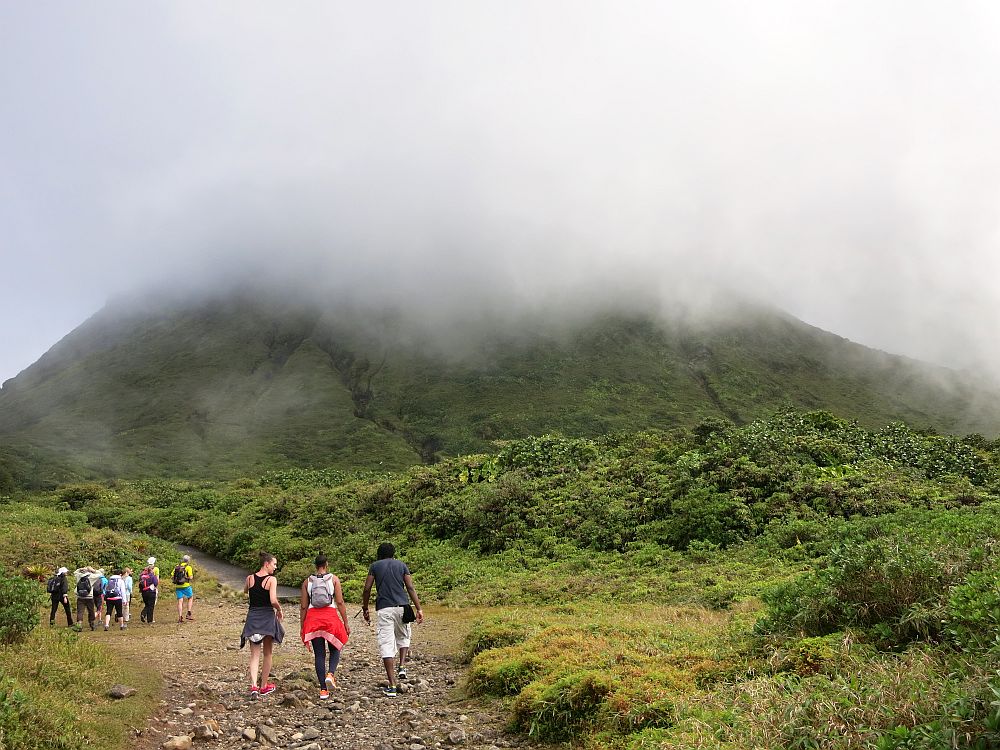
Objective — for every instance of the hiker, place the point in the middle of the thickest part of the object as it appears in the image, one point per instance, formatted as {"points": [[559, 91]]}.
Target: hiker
{"points": [[129, 586], [182, 577], [324, 622], [114, 597], [156, 572], [99, 583], [149, 584], [263, 626], [85, 578], [58, 588], [392, 584]]}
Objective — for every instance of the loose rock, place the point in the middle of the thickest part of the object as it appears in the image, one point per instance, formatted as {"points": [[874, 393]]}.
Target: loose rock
{"points": [[180, 742], [267, 734], [121, 691]]}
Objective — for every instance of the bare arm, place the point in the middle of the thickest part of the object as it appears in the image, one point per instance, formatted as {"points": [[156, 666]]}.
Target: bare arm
{"points": [[408, 582], [366, 596], [272, 586], [338, 595], [304, 601]]}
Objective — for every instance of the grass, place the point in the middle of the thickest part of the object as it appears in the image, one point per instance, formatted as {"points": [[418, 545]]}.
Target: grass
{"points": [[54, 694], [679, 677], [589, 668]]}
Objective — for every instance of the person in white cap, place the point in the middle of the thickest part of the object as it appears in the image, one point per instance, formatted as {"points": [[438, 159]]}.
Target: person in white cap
{"points": [[183, 574], [149, 585], [58, 588]]}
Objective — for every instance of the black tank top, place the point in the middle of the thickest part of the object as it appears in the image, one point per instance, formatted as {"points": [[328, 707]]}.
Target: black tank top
{"points": [[259, 596]]}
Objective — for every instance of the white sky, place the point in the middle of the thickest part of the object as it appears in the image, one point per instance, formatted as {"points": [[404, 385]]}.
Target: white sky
{"points": [[839, 159]]}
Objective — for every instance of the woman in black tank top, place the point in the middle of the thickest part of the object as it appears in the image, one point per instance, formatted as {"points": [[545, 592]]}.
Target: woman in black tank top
{"points": [[263, 624], [259, 596]]}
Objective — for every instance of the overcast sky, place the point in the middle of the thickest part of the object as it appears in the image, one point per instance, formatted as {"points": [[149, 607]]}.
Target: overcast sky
{"points": [[838, 159]]}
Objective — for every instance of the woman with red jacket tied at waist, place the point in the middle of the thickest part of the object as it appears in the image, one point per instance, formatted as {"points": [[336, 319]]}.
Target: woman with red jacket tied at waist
{"points": [[263, 626], [324, 622]]}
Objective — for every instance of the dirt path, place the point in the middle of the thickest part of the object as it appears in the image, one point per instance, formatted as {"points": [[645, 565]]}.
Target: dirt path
{"points": [[206, 685]]}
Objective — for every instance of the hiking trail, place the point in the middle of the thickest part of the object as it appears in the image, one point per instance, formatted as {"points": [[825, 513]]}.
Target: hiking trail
{"points": [[206, 687]]}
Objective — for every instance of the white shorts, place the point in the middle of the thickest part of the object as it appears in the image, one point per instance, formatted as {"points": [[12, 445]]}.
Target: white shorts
{"points": [[392, 634]]}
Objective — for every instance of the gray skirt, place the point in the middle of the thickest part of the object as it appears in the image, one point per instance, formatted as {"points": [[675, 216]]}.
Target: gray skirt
{"points": [[261, 623]]}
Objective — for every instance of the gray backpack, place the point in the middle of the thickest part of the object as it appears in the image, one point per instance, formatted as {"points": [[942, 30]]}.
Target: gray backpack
{"points": [[321, 594]]}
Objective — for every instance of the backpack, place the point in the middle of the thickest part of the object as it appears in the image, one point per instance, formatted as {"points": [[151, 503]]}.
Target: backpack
{"points": [[181, 576], [54, 585], [320, 594], [146, 579], [84, 587], [99, 587], [114, 589]]}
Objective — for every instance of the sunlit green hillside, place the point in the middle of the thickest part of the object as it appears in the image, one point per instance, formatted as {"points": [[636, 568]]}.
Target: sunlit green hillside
{"points": [[245, 383]]}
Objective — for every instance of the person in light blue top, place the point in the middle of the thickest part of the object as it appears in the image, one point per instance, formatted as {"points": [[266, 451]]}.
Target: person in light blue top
{"points": [[129, 586], [99, 585]]}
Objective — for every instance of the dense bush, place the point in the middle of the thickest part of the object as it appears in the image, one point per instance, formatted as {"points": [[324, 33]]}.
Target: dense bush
{"points": [[902, 578], [973, 614], [19, 603]]}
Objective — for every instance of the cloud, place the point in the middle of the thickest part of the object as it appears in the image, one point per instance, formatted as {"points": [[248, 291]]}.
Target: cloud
{"points": [[839, 161]]}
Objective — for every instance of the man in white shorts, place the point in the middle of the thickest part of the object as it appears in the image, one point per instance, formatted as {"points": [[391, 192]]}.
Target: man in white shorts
{"points": [[394, 592]]}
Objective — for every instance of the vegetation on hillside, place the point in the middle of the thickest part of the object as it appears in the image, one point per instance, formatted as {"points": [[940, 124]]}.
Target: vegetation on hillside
{"points": [[800, 581], [254, 382]]}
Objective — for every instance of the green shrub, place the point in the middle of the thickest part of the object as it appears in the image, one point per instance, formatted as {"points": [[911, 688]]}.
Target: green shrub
{"points": [[973, 618], [19, 603], [501, 672], [895, 582], [493, 632], [78, 495], [560, 710]]}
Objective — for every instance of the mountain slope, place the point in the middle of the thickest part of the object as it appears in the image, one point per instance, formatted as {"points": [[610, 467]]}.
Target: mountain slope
{"points": [[245, 382]]}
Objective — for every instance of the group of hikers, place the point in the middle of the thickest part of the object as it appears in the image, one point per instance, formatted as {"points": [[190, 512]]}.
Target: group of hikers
{"points": [[324, 625], [110, 598]]}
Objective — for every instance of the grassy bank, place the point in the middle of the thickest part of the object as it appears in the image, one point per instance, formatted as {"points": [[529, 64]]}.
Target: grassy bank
{"points": [[890, 640], [53, 694], [54, 682]]}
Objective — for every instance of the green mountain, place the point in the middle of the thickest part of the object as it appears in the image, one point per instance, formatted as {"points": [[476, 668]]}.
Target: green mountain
{"points": [[245, 382]]}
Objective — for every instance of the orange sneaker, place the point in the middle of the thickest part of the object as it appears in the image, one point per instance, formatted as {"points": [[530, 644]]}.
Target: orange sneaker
{"points": [[324, 694]]}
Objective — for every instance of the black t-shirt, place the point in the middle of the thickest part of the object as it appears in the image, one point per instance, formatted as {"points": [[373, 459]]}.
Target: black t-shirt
{"points": [[389, 586]]}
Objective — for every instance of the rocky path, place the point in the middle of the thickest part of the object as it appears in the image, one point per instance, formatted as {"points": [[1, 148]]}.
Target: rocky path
{"points": [[207, 701]]}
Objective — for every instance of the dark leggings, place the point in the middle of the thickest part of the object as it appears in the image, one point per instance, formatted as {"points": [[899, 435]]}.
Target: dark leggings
{"points": [[148, 602], [319, 654], [56, 601]]}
